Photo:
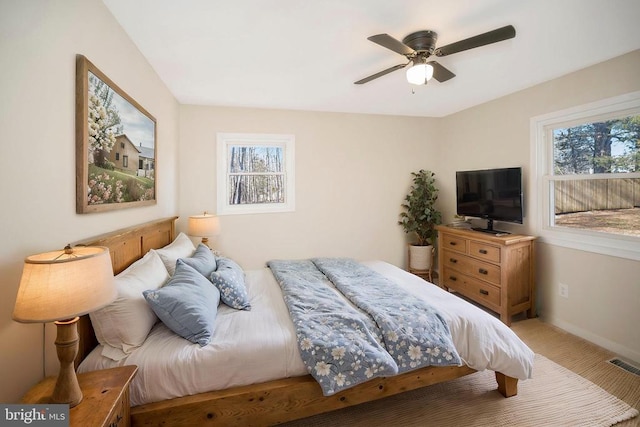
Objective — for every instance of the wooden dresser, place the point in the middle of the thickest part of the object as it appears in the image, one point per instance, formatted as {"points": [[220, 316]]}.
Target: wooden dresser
{"points": [[497, 272]]}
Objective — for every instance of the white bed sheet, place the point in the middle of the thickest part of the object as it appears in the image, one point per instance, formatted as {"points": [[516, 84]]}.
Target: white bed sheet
{"points": [[260, 345], [247, 347]]}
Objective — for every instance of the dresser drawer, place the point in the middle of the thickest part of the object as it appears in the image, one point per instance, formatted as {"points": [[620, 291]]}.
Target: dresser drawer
{"points": [[454, 243], [479, 291], [121, 414], [472, 267], [484, 251]]}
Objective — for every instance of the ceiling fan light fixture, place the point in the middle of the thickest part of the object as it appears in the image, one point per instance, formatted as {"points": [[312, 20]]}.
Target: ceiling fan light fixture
{"points": [[420, 74]]}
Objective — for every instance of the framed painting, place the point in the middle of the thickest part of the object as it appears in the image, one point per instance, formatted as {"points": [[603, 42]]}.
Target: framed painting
{"points": [[115, 145]]}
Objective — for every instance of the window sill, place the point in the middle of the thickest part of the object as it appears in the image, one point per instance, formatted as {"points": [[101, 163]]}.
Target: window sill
{"points": [[601, 243]]}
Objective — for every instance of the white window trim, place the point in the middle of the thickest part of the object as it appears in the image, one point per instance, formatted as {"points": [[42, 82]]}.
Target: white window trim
{"points": [[224, 140], [542, 159]]}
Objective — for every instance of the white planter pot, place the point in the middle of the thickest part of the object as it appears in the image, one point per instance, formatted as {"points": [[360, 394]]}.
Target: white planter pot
{"points": [[420, 257]]}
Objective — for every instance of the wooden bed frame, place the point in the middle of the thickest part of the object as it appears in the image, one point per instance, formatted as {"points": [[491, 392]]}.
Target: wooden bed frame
{"points": [[268, 403]]}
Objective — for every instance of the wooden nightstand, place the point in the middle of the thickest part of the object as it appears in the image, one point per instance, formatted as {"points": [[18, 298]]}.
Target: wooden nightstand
{"points": [[105, 401]]}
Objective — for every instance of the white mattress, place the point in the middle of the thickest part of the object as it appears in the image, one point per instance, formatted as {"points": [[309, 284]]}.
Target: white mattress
{"points": [[260, 345]]}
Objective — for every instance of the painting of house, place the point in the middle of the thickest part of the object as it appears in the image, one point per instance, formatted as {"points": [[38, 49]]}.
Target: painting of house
{"points": [[125, 156], [133, 159], [146, 161]]}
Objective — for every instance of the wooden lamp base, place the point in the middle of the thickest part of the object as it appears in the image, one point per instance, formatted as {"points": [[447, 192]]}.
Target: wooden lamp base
{"points": [[67, 390]]}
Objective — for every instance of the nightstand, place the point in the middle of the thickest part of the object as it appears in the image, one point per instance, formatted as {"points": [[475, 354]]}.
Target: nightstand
{"points": [[105, 401]]}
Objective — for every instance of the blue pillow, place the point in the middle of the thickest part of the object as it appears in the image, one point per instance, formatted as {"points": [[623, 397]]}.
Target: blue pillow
{"points": [[229, 279], [187, 304], [202, 260]]}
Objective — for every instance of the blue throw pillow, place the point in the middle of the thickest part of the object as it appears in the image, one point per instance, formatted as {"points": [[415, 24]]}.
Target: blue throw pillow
{"points": [[187, 304], [229, 279], [202, 260]]}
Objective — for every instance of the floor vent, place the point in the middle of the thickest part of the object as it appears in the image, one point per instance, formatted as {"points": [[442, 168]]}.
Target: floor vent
{"points": [[626, 366]]}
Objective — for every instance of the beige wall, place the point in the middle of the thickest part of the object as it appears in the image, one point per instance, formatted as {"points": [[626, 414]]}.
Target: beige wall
{"points": [[39, 40], [604, 298], [352, 173]]}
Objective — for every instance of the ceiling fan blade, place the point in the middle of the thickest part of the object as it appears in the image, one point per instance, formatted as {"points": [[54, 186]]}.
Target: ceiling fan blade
{"points": [[441, 73], [483, 39], [385, 40], [380, 74]]}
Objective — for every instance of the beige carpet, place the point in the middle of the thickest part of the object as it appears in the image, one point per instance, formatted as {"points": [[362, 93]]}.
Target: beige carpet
{"points": [[554, 397]]}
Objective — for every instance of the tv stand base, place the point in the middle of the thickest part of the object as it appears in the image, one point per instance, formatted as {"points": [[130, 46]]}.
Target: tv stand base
{"points": [[492, 231]]}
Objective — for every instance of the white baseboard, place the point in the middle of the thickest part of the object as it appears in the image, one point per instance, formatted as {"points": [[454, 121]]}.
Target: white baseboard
{"points": [[614, 347]]}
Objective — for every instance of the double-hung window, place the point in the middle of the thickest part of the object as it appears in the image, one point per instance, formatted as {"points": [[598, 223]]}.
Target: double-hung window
{"points": [[255, 173], [586, 176]]}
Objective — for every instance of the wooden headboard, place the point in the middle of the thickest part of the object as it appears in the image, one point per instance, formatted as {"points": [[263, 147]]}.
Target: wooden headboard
{"points": [[126, 246]]}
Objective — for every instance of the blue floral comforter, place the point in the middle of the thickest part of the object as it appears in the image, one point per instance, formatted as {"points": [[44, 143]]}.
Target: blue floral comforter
{"points": [[378, 330]]}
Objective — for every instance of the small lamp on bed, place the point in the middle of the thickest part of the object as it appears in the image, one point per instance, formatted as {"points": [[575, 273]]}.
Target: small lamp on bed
{"points": [[205, 226], [59, 287]]}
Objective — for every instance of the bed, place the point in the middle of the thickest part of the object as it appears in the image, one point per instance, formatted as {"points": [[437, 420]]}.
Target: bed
{"points": [[249, 396]]}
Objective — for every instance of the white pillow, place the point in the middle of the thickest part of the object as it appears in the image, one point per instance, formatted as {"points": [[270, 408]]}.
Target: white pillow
{"points": [[181, 247], [124, 324]]}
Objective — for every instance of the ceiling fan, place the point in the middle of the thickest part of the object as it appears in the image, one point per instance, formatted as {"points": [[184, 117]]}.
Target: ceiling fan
{"points": [[419, 46]]}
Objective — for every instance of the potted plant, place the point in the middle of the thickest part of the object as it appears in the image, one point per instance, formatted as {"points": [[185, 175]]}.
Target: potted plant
{"points": [[419, 217]]}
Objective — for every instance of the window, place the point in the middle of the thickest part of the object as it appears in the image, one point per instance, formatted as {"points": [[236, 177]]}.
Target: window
{"points": [[117, 156], [255, 173], [125, 161], [587, 176]]}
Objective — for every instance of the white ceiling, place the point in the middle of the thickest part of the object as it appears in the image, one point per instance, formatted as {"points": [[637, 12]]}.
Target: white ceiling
{"points": [[306, 54]]}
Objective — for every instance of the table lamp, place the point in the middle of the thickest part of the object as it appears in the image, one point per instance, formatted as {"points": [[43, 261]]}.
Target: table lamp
{"points": [[59, 287], [205, 226]]}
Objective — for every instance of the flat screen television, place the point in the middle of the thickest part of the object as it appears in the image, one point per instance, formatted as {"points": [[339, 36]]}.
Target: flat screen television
{"points": [[491, 194]]}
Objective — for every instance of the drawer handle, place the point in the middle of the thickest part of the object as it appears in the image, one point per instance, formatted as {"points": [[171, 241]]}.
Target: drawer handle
{"points": [[482, 271], [483, 292], [116, 422], [453, 278], [453, 260], [452, 243], [483, 251]]}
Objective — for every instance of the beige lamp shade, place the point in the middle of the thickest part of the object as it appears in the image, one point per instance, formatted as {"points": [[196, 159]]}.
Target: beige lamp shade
{"points": [[205, 225], [64, 284]]}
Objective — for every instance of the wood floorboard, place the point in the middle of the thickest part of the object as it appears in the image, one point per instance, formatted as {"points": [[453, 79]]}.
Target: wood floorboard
{"points": [[582, 357]]}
